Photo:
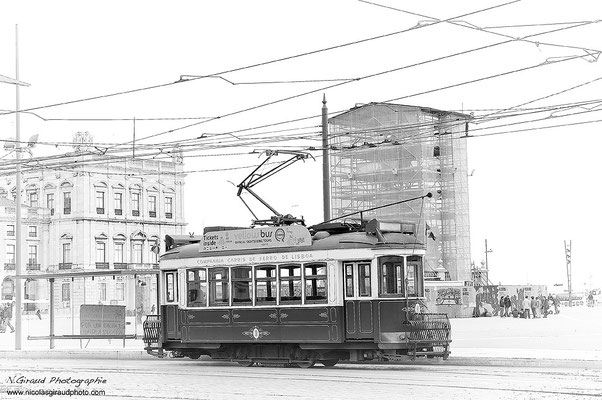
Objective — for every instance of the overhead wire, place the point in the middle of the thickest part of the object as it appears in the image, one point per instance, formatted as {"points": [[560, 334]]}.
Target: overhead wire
{"points": [[299, 55]]}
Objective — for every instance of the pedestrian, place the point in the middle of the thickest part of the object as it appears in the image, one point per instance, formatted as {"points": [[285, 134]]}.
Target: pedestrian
{"points": [[7, 314], [533, 306], [153, 309], [507, 306], [538, 306], [545, 305], [527, 308], [502, 307], [556, 303]]}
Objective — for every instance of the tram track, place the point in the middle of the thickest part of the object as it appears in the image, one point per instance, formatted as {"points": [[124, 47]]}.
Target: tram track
{"points": [[490, 383]]}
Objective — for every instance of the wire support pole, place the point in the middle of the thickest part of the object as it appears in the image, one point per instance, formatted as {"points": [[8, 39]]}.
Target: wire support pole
{"points": [[569, 273], [18, 239], [325, 161]]}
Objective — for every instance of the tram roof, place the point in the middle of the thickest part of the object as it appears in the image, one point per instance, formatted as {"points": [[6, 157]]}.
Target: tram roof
{"points": [[349, 240]]}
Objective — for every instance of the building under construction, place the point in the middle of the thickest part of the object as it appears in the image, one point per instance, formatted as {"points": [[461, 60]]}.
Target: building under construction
{"points": [[383, 153]]}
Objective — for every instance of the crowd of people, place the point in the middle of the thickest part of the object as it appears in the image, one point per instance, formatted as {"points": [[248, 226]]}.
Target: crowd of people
{"points": [[531, 307]]}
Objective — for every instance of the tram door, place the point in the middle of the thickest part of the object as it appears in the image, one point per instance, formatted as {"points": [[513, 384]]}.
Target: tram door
{"points": [[358, 305]]}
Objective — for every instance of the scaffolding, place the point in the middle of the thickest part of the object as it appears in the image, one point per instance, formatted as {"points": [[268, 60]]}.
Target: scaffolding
{"points": [[382, 153]]}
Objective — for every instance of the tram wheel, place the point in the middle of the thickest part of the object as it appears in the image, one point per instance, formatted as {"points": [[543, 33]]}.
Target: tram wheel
{"points": [[329, 363], [245, 363], [194, 356], [305, 364]]}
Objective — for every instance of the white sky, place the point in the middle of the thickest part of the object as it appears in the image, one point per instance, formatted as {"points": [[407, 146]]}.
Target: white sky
{"points": [[530, 190]]}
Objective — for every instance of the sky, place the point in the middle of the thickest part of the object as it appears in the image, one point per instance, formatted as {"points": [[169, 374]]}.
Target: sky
{"points": [[532, 186]]}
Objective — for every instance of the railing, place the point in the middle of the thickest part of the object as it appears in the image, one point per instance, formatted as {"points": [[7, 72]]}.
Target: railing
{"points": [[168, 215], [33, 267], [118, 211], [102, 265], [431, 275], [67, 210], [143, 266], [136, 213], [120, 266], [100, 210], [9, 266], [65, 265], [152, 214]]}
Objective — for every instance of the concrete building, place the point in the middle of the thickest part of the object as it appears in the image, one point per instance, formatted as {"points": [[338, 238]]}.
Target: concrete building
{"points": [[382, 153], [94, 212]]}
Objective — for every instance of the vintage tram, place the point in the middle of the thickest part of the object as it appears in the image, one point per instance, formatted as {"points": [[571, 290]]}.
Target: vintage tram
{"points": [[296, 295]]}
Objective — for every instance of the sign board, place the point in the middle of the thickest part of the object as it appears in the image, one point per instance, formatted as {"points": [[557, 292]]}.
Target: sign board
{"points": [[98, 319], [256, 238]]}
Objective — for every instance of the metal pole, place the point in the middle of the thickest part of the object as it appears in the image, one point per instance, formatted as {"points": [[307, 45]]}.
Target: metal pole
{"points": [[567, 252], [18, 289], [51, 281], [134, 141], [486, 261], [325, 163]]}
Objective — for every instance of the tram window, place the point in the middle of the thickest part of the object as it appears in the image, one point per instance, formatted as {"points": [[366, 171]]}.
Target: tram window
{"points": [[391, 276], [290, 284], [349, 280], [413, 276], [218, 287], [265, 284], [242, 285], [197, 287], [364, 279], [170, 287], [315, 283]]}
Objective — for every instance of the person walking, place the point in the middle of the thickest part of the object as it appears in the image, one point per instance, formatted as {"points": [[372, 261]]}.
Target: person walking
{"points": [[502, 307], [507, 306], [533, 306], [554, 302], [538, 306], [527, 307], [7, 314], [545, 305]]}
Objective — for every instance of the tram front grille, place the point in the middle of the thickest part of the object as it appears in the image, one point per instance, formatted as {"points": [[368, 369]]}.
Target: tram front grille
{"points": [[430, 328]]}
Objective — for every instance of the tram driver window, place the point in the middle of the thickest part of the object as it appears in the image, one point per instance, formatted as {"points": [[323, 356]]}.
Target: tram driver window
{"points": [[242, 286], [413, 276], [364, 279], [218, 287], [315, 283], [290, 284], [265, 284], [170, 287], [197, 287], [391, 276]]}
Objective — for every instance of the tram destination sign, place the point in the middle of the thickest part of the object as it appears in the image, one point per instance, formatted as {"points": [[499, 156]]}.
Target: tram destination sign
{"points": [[256, 238]]}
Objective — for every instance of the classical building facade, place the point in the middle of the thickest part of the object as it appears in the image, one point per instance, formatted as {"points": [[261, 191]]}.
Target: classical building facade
{"points": [[93, 213]]}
